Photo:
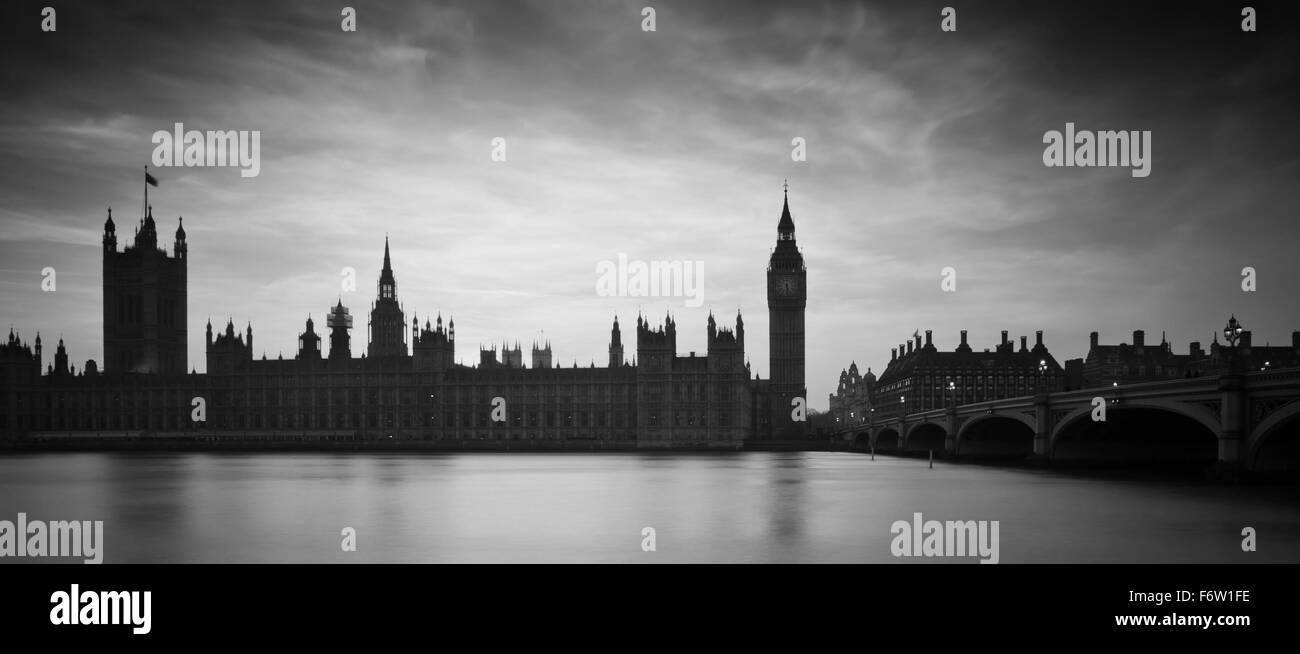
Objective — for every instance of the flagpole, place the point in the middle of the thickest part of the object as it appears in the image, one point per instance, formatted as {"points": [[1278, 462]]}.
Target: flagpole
{"points": [[145, 211]]}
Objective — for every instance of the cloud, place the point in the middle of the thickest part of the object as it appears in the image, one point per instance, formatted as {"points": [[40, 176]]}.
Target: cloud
{"points": [[924, 152]]}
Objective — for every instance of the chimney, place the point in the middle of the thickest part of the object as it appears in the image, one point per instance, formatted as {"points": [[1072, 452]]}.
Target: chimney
{"points": [[1139, 338], [1195, 350], [1092, 341], [1024, 343], [1004, 337], [963, 338], [1245, 339], [1295, 341], [893, 355], [1038, 339], [918, 342], [928, 342], [909, 346]]}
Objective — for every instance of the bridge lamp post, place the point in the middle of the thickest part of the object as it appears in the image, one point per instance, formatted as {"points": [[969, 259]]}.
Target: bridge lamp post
{"points": [[1232, 334], [1042, 375], [952, 392], [1232, 331]]}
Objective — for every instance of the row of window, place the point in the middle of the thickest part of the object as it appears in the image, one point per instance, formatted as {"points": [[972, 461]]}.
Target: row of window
{"points": [[335, 421]]}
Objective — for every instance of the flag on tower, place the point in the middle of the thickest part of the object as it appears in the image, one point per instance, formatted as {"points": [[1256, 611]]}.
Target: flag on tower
{"points": [[150, 179]]}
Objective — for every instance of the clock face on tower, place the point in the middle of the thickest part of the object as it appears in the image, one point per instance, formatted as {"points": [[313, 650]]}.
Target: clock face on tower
{"points": [[787, 285]]}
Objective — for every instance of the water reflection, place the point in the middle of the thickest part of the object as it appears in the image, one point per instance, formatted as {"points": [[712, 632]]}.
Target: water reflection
{"points": [[592, 507]]}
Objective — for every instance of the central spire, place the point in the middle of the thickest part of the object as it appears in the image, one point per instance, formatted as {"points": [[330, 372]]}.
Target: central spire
{"points": [[387, 282]]}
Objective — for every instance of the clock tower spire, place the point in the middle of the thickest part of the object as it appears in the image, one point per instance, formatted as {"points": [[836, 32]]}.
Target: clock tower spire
{"points": [[787, 297]]}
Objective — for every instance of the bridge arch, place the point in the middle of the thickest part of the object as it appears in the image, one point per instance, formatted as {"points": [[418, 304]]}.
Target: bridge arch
{"points": [[861, 440], [1278, 437], [887, 440], [924, 436], [1197, 413], [1166, 431], [997, 435]]}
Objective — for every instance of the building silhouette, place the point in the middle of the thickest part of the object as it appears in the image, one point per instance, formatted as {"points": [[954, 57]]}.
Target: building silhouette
{"points": [[851, 401], [920, 377], [1136, 362], [402, 389], [144, 301], [787, 299]]}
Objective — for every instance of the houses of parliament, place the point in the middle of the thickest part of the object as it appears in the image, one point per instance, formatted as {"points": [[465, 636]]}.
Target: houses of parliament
{"points": [[407, 386]]}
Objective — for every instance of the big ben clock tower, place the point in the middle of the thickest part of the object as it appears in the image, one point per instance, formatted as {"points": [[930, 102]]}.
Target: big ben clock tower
{"points": [[787, 297]]}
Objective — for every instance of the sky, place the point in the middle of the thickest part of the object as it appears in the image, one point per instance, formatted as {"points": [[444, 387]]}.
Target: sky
{"points": [[924, 150]]}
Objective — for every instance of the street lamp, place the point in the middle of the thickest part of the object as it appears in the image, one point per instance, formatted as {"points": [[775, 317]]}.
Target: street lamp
{"points": [[1232, 331], [1232, 334], [1042, 375]]}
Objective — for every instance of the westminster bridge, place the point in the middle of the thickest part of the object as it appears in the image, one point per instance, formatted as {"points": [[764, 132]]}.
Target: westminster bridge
{"points": [[1247, 420]]}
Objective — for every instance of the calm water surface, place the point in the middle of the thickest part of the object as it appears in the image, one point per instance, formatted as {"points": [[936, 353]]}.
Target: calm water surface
{"points": [[737, 507]]}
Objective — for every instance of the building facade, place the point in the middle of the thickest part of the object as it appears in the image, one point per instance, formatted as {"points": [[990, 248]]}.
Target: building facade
{"points": [[920, 377], [401, 388], [144, 301], [787, 300], [850, 404], [1136, 362]]}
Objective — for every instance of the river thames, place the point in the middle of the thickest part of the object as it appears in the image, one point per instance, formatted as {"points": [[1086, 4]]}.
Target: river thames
{"points": [[751, 507]]}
